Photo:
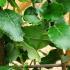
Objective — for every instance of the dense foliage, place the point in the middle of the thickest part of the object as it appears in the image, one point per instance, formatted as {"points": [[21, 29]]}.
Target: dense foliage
{"points": [[24, 34]]}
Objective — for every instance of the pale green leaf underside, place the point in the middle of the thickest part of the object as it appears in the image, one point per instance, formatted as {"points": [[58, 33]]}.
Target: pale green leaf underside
{"points": [[60, 35], [10, 25]]}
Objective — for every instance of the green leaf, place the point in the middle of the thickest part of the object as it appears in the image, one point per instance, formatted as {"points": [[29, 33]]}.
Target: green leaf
{"points": [[36, 36], [1, 34], [66, 4], [50, 59], [59, 34], [12, 53], [30, 16], [60, 20], [32, 53], [30, 11], [10, 24], [13, 3], [5, 68], [68, 68], [24, 54], [23, 0], [32, 19], [25, 67], [2, 3], [36, 1], [52, 11]]}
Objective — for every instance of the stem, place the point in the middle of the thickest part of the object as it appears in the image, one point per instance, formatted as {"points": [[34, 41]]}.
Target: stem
{"points": [[40, 68], [43, 52], [34, 62], [7, 5], [42, 65], [21, 60], [45, 65], [63, 66], [31, 62], [33, 4]]}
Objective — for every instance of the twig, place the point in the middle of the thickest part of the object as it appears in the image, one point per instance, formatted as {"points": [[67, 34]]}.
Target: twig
{"points": [[7, 5], [31, 62], [45, 65], [43, 52], [40, 66], [34, 62], [63, 66]]}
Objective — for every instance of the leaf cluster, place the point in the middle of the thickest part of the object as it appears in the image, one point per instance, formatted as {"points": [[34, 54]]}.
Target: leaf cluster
{"points": [[24, 34]]}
